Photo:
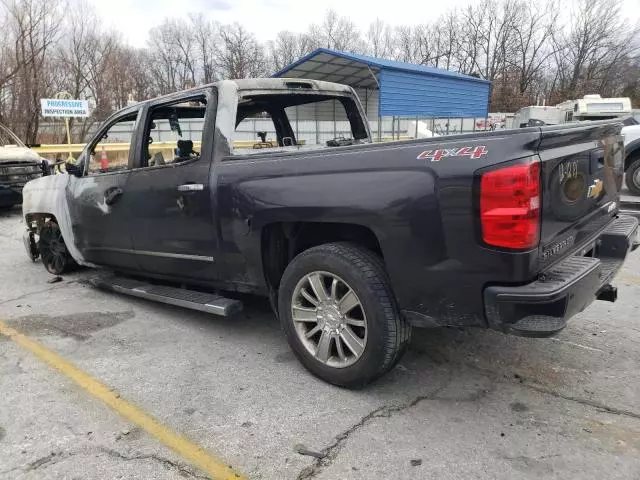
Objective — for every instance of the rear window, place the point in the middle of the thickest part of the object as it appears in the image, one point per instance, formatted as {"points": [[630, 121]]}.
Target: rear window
{"points": [[295, 122]]}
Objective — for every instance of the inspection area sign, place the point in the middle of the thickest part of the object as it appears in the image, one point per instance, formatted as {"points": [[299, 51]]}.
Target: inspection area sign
{"points": [[53, 107]]}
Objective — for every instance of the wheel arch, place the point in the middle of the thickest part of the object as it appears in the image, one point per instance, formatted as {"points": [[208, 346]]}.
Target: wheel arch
{"points": [[280, 242], [46, 198], [632, 153], [35, 220]]}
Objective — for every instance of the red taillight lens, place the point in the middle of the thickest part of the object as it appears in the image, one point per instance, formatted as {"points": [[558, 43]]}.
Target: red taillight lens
{"points": [[510, 206]]}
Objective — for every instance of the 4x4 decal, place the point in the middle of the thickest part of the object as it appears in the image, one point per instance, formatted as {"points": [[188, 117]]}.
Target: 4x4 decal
{"points": [[471, 152]]}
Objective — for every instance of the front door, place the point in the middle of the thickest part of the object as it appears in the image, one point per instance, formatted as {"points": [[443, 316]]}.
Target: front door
{"points": [[169, 193], [99, 215]]}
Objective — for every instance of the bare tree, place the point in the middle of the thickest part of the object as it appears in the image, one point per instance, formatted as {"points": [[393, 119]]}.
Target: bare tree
{"points": [[532, 31], [338, 33], [34, 27], [173, 44], [379, 39], [597, 41], [520, 46], [80, 40], [490, 28], [206, 47], [406, 48], [241, 56], [287, 48]]}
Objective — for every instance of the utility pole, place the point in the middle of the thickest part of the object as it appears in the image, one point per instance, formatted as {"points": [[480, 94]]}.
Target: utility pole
{"points": [[66, 96]]}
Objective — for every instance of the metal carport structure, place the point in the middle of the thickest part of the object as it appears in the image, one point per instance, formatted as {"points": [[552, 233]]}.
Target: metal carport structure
{"points": [[396, 89]]}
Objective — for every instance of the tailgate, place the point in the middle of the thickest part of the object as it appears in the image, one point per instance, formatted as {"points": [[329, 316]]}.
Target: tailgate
{"points": [[582, 169]]}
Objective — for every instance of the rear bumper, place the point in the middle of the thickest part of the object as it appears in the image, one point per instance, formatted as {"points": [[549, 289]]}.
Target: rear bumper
{"points": [[543, 307]]}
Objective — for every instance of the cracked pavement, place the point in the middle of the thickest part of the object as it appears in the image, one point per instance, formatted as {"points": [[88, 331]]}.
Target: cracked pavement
{"points": [[461, 404]]}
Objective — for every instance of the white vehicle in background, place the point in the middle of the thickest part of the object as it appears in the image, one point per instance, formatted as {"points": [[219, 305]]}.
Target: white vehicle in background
{"points": [[18, 165], [537, 115], [631, 134], [593, 107], [420, 129]]}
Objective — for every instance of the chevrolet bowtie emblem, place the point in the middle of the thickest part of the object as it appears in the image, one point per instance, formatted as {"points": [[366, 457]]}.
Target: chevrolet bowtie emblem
{"points": [[595, 189]]}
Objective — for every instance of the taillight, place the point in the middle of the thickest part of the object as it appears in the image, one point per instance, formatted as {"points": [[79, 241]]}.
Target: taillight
{"points": [[510, 206]]}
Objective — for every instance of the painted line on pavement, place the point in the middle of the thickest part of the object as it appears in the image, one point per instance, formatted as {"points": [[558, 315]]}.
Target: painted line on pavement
{"points": [[190, 451]]}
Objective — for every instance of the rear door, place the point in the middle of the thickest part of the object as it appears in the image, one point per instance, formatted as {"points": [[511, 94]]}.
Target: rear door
{"points": [[99, 212], [582, 169], [168, 193]]}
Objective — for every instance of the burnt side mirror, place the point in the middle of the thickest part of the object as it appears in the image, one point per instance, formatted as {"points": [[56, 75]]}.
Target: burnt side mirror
{"points": [[74, 169]]}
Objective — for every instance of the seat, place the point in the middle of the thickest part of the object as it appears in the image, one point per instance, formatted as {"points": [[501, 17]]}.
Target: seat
{"points": [[184, 151]]}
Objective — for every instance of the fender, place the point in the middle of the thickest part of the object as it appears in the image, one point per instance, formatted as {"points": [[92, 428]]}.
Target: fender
{"points": [[631, 149], [47, 195]]}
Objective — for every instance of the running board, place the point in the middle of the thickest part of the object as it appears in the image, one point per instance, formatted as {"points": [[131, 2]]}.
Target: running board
{"points": [[194, 300]]}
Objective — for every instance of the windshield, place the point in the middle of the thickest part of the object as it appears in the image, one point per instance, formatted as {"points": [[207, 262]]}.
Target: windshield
{"points": [[7, 137]]}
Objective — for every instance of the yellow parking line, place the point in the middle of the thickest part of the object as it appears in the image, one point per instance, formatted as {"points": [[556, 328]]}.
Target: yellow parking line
{"points": [[187, 449]]}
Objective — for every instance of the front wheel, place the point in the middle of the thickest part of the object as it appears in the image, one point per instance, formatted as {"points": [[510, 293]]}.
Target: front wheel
{"points": [[53, 251], [340, 315], [632, 178]]}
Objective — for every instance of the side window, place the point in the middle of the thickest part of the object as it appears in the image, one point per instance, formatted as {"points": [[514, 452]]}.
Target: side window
{"points": [[174, 132], [320, 122], [256, 131], [111, 152]]}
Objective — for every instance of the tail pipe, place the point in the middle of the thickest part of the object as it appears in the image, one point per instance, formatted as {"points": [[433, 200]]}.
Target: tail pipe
{"points": [[608, 293]]}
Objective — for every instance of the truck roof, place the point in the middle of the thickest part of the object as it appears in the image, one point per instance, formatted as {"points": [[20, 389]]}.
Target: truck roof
{"points": [[294, 85], [287, 84]]}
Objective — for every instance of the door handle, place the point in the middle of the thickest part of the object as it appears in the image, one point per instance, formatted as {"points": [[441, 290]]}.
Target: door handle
{"points": [[112, 194], [191, 187]]}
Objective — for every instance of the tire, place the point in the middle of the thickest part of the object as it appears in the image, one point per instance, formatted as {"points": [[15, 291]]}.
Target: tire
{"points": [[53, 251], [632, 177], [383, 334]]}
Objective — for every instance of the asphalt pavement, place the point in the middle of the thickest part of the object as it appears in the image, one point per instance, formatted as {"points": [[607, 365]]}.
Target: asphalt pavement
{"points": [[462, 404]]}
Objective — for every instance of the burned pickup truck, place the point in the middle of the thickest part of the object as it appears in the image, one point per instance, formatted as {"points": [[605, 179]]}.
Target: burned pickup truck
{"points": [[353, 242], [18, 165]]}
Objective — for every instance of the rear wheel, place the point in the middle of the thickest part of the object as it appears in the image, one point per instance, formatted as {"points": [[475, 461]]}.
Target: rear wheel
{"points": [[340, 316], [53, 251], [632, 177]]}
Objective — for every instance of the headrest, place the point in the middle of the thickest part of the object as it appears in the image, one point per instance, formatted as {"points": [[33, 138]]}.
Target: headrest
{"points": [[185, 147]]}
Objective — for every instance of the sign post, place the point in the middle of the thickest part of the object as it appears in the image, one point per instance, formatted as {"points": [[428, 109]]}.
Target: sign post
{"points": [[63, 105]]}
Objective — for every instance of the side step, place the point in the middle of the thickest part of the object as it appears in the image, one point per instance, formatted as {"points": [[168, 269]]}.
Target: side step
{"points": [[204, 302]]}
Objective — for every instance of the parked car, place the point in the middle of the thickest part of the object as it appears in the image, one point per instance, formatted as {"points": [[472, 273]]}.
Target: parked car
{"points": [[18, 165], [353, 242], [631, 134]]}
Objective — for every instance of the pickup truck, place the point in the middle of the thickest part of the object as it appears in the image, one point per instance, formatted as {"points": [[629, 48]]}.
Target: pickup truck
{"points": [[18, 165], [353, 242], [631, 134]]}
